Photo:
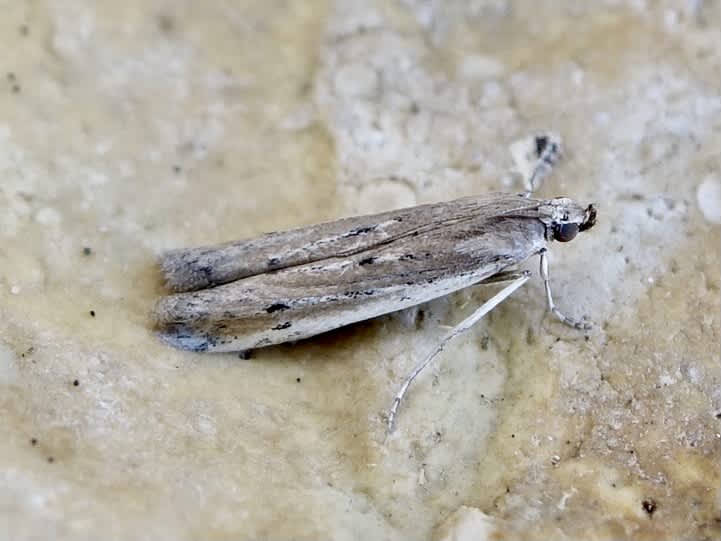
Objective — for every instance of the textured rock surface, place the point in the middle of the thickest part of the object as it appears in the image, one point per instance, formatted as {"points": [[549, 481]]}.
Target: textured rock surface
{"points": [[129, 129]]}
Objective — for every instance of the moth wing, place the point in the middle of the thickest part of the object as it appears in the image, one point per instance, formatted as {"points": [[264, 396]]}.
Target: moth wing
{"points": [[305, 300], [198, 268]]}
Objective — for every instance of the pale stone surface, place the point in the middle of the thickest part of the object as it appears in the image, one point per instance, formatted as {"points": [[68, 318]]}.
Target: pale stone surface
{"points": [[709, 199], [468, 524], [130, 128]]}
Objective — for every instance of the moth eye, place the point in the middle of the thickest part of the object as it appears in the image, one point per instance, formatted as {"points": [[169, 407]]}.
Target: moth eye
{"points": [[565, 232]]}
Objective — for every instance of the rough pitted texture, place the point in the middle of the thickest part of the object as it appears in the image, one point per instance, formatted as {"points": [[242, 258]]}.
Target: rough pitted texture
{"points": [[127, 129]]}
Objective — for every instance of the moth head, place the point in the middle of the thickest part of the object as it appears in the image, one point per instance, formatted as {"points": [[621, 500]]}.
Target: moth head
{"points": [[565, 218]]}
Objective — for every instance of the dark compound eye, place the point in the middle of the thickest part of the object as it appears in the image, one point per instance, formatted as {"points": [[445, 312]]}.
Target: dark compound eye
{"points": [[565, 232]]}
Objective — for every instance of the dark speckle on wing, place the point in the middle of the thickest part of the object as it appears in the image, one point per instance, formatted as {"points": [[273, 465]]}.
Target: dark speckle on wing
{"points": [[359, 231], [282, 326], [277, 307]]}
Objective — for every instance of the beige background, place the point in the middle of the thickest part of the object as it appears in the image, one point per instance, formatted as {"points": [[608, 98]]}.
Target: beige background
{"points": [[131, 128]]}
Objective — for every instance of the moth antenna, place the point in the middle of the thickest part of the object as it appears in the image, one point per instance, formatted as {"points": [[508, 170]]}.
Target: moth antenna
{"points": [[548, 150]]}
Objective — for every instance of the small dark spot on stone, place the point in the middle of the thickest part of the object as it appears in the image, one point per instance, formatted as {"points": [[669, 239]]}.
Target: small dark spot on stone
{"points": [[273, 261], [245, 355], [51, 460], [649, 505], [513, 435], [415, 109], [87, 250], [367, 261], [399, 218], [613, 485], [10, 76], [24, 30], [277, 307], [718, 415], [508, 490], [568, 442], [369, 292], [297, 380], [484, 344], [92, 313], [406, 257], [282, 326], [76, 382], [33, 441], [165, 23], [177, 169], [415, 234], [16, 89], [530, 336], [541, 144]]}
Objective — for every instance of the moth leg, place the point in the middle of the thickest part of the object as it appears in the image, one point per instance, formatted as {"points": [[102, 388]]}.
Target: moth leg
{"points": [[548, 149], [458, 329], [582, 325], [504, 276]]}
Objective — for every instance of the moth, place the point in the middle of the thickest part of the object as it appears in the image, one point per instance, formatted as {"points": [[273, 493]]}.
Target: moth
{"points": [[291, 285], [296, 284]]}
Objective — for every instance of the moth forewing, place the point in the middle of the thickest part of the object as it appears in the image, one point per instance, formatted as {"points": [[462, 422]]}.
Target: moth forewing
{"points": [[304, 282], [198, 268]]}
